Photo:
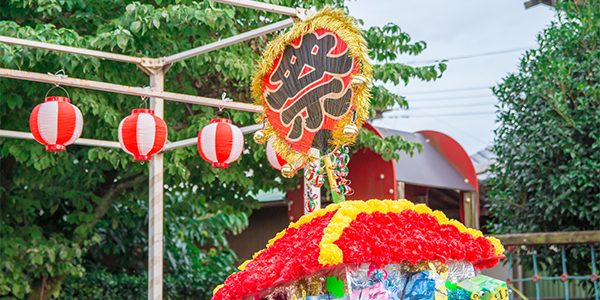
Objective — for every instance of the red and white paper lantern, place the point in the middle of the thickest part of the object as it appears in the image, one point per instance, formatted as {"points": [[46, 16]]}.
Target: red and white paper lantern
{"points": [[220, 143], [56, 123], [275, 159], [142, 134]]}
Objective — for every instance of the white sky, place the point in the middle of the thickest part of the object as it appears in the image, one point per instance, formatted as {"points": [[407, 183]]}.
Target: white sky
{"points": [[457, 29]]}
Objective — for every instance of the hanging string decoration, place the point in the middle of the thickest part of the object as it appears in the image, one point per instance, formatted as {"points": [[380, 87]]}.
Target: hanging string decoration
{"points": [[220, 143], [341, 157], [312, 83], [142, 134], [311, 199], [56, 123]]}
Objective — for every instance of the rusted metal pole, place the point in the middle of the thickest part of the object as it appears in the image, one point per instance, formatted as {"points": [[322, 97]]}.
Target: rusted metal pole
{"points": [[128, 90], [229, 41], [155, 207], [79, 141], [68, 49], [261, 6]]}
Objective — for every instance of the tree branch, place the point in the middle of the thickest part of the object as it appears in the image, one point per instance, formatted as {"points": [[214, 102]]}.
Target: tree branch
{"points": [[108, 199], [112, 194]]}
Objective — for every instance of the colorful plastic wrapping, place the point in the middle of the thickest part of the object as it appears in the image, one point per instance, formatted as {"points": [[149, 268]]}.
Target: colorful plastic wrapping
{"points": [[392, 282], [369, 250]]}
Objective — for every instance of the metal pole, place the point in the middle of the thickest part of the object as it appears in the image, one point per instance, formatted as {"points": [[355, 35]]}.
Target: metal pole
{"points": [[68, 49], [81, 141], [261, 6], [229, 41], [110, 144], [194, 141], [155, 214], [471, 209], [128, 90]]}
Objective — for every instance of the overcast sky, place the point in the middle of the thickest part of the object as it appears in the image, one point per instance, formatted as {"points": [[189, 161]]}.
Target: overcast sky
{"points": [[460, 104]]}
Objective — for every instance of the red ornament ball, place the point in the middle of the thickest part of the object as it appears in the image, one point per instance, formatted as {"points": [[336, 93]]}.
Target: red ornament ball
{"points": [[56, 123], [220, 143], [142, 134]]}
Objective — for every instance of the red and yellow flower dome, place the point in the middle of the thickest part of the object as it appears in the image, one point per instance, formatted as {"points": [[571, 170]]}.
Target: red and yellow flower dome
{"points": [[379, 232]]}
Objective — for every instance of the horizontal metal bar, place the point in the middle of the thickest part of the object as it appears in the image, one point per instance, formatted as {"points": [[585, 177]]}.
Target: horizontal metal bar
{"points": [[550, 278], [229, 41], [80, 141], [194, 141], [128, 90], [261, 6], [68, 49], [546, 238]]}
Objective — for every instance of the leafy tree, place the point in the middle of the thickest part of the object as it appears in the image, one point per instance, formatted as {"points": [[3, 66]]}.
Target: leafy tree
{"points": [[85, 208], [547, 177]]}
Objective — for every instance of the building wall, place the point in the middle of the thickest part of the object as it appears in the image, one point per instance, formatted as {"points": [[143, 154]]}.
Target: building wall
{"points": [[264, 224]]}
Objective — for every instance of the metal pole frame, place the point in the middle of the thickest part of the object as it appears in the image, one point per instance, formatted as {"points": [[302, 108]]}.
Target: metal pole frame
{"points": [[156, 69]]}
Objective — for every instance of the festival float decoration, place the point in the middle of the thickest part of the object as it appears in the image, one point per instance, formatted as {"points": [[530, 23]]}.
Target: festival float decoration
{"points": [[360, 250], [220, 143], [288, 170], [312, 83], [56, 123], [142, 134]]}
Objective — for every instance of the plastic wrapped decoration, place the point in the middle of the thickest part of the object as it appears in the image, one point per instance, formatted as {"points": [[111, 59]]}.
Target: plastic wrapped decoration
{"points": [[377, 249], [312, 83]]}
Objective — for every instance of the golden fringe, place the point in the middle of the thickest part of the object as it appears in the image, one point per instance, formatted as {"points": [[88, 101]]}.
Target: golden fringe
{"points": [[348, 30]]}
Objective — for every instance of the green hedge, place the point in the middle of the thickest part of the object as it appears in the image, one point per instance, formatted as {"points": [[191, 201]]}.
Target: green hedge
{"points": [[103, 285]]}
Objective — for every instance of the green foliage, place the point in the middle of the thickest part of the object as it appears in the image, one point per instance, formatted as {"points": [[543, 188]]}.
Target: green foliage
{"points": [[197, 284], [547, 177], [84, 209]]}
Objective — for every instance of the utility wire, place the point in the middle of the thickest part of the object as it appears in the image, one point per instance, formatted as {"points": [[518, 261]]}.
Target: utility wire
{"points": [[455, 128], [469, 56], [441, 115], [448, 98], [446, 91], [451, 106]]}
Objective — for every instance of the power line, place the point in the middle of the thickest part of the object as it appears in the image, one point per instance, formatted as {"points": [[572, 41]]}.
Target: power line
{"points": [[441, 115], [469, 56], [452, 106], [450, 90], [449, 98], [452, 126]]}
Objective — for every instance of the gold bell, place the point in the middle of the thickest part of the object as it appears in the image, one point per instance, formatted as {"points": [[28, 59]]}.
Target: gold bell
{"points": [[260, 137], [350, 131], [288, 171], [359, 81]]}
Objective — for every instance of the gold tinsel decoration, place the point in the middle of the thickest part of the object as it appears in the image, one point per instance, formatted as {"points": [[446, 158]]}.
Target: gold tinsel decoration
{"points": [[346, 27]]}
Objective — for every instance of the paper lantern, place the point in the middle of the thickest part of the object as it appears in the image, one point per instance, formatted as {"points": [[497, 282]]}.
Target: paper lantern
{"points": [[275, 159], [142, 134], [56, 123], [220, 143]]}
